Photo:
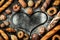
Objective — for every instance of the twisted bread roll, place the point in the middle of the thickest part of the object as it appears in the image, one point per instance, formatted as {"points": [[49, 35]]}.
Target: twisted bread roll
{"points": [[45, 5], [54, 21]]}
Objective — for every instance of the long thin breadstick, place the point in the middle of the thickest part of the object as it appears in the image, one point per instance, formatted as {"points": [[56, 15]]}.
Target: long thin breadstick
{"points": [[52, 32], [23, 3], [45, 5], [4, 35], [5, 5], [54, 21], [1, 2]]}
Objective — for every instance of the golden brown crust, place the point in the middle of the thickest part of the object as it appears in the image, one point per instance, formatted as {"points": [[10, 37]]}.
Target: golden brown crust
{"points": [[45, 5], [56, 2], [26, 37], [43, 8], [2, 25], [13, 37], [5, 5], [1, 2], [50, 33], [41, 29], [30, 3], [6, 23], [20, 34], [16, 8], [4, 35], [35, 37], [8, 11], [1, 38], [23, 3], [53, 9], [10, 30], [37, 3], [2, 17], [56, 36], [54, 21], [29, 11]]}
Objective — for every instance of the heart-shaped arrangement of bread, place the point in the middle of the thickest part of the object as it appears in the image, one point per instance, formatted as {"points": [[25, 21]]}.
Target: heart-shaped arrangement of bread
{"points": [[29, 19]]}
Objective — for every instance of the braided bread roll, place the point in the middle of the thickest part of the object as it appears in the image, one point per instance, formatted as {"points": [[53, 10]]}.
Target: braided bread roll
{"points": [[45, 5], [54, 21]]}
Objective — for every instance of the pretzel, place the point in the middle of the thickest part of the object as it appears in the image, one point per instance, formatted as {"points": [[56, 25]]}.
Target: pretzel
{"points": [[4, 35], [50, 33], [13, 37], [54, 21], [45, 5], [56, 36], [5, 5], [1, 2], [37, 3], [23, 3]]}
